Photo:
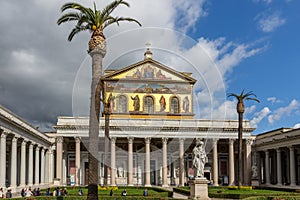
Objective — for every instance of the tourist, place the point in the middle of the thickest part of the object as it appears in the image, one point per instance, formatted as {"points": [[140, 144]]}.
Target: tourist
{"points": [[124, 193], [111, 193], [28, 193], [48, 192], [23, 192], [8, 194], [58, 193], [1, 193], [64, 192], [38, 192], [145, 193], [80, 193]]}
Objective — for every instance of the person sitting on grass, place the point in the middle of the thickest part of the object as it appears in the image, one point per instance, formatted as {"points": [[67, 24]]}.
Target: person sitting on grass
{"points": [[124, 193], [80, 193]]}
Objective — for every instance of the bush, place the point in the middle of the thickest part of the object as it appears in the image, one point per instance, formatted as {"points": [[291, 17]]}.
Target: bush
{"points": [[248, 188]]}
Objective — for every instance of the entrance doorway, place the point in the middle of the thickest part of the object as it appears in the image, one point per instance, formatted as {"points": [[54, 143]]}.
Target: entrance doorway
{"points": [[152, 172]]}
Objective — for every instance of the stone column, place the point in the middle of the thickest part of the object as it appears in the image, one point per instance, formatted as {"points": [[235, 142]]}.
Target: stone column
{"points": [[51, 165], [231, 161], [23, 164], [215, 165], [13, 166], [181, 162], [267, 166], [279, 178], [112, 161], [77, 161], [59, 157], [3, 159], [165, 163], [47, 173], [30, 164], [247, 162], [37, 166], [292, 166], [130, 161], [147, 162], [42, 166]]}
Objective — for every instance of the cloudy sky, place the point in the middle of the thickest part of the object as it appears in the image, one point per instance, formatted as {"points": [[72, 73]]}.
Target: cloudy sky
{"points": [[228, 45]]}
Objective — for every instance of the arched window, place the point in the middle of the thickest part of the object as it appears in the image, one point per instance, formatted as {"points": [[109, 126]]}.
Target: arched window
{"points": [[174, 105], [148, 104], [122, 104]]}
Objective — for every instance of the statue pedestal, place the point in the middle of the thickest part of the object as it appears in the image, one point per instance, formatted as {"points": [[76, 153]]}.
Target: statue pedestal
{"points": [[198, 188], [254, 182]]}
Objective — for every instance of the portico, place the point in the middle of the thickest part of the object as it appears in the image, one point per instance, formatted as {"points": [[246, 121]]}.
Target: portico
{"points": [[24, 152], [154, 152]]}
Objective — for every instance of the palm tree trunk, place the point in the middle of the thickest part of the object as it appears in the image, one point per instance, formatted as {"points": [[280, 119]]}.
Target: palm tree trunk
{"points": [[96, 85], [240, 146]]}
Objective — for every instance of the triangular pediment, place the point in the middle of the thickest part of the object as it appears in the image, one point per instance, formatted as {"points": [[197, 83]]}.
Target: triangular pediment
{"points": [[149, 70]]}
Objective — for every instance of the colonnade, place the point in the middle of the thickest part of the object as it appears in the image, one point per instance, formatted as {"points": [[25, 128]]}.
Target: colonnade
{"points": [[24, 162], [277, 166], [164, 181]]}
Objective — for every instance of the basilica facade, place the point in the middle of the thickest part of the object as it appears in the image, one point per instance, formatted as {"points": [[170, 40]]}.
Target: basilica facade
{"points": [[152, 131]]}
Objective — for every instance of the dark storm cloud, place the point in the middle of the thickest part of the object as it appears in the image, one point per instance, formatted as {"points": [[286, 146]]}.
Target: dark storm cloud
{"points": [[37, 63]]}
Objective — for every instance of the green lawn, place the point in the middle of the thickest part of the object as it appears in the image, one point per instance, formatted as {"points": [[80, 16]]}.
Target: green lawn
{"points": [[224, 192]]}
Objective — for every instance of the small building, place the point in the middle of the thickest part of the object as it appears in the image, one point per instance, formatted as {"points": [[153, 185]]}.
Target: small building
{"points": [[276, 158]]}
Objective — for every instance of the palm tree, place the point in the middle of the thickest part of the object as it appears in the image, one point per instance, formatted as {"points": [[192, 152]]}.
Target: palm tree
{"points": [[240, 108], [95, 21]]}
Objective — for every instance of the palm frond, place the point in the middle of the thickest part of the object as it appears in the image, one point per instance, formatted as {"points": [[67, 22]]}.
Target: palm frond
{"points": [[69, 17], [76, 30], [112, 6], [253, 99], [244, 96], [87, 18], [116, 20]]}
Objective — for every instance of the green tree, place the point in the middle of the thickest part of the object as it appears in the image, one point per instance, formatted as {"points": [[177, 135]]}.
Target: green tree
{"points": [[95, 21], [240, 108]]}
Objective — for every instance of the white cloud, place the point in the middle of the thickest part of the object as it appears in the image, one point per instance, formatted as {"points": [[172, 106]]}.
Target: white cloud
{"points": [[269, 23], [264, 1], [273, 100], [258, 116], [297, 126], [283, 111]]}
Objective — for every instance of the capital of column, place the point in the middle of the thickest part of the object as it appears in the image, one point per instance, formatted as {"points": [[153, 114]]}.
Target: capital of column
{"points": [[14, 139], [42, 149], [59, 139], [181, 140], [267, 152], [130, 140], [24, 142], [278, 150], [5, 131], [30, 145], [147, 140], [4, 134], [113, 140], [231, 141], [77, 139], [164, 140], [249, 141], [291, 148], [37, 148]]}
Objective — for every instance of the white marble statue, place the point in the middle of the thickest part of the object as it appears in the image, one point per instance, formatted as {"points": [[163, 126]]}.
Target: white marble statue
{"points": [[199, 159]]}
